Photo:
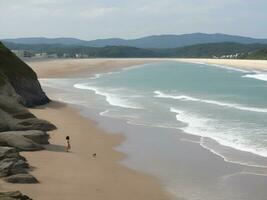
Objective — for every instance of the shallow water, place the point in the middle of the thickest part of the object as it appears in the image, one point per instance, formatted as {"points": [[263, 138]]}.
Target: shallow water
{"points": [[162, 106]]}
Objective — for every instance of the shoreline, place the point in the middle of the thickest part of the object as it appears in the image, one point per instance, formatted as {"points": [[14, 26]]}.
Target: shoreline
{"points": [[65, 67], [92, 69], [78, 174], [254, 65]]}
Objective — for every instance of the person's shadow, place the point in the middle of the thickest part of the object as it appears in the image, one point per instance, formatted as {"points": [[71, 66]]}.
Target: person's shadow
{"points": [[55, 148]]}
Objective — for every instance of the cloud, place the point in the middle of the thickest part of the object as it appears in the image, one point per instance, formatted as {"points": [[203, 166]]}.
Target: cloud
{"points": [[90, 19]]}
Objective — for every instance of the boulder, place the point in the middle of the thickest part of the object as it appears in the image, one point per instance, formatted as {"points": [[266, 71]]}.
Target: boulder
{"points": [[10, 166], [6, 165], [18, 141], [14, 117], [8, 152], [39, 137], [12, 107], [11, 162], [3, 126], [16, 195], [21, 178], [19, 167], [35, 124]]}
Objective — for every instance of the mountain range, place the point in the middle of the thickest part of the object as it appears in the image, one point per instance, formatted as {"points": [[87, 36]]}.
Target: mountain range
{"points": [[149, 42]]}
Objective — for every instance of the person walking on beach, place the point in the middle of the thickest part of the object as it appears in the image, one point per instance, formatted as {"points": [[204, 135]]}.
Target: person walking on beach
{"points": [[68, 143]]}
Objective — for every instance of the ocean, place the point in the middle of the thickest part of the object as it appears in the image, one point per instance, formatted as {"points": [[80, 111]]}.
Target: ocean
{"points": [[223, 110]]}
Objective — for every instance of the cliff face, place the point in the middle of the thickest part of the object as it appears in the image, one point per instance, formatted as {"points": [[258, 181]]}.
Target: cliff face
{"points": [[22, 78], [20, 130]]}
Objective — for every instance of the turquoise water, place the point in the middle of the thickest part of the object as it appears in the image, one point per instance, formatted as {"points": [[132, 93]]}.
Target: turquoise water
{"points": [[221, 103]]}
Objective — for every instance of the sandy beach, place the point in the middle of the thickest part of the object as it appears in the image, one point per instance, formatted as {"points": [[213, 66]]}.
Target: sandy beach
{"points": [[260, 65], [58, 68], [77, 175], [55, 68]]}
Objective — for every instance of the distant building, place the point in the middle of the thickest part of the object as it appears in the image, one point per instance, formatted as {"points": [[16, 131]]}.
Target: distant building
{"points": [[78, 55], [66, 55], [231, 56], [23, 53], [54, 55], [41, 55]]}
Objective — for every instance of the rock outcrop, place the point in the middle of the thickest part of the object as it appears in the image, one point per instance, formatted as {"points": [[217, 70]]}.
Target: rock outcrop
{"points": [[13, 116], [20, 130], [11, 162], [22, 78], [30, 140], [11, 139], [39, 137], [21, 178], [16, 195]]}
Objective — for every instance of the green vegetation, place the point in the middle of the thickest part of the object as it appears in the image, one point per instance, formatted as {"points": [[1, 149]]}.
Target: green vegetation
{"points": [[210, 50], [259, 55], [213, 50]]}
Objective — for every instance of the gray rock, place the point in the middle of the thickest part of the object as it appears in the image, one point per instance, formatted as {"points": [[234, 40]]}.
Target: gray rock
{"points": [[36, 124], [18, 141], [5, 166], [13, 108], [3, 126], [14, 117], [21, 178], [8, 152], [16, 195], [11, 162], [39, 137], [10, 166], [19, 167], [22, 78]]}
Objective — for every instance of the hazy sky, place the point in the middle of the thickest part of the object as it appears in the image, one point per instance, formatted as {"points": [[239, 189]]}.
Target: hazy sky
{"points": [[88, 19]]}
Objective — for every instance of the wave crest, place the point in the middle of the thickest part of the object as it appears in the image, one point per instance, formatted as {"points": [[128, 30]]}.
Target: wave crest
{"points": [[160, 94], [259, 76], [112, 99]]}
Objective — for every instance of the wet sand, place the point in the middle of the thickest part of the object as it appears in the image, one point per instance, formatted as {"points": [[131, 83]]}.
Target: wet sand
{"points": [[77, 174], [260, 65], [183, 166]]}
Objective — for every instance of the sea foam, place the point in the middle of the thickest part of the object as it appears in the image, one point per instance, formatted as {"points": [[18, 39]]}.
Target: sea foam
{"points": [[205, 127], [258, 76], [111, 98], [160, 94]]}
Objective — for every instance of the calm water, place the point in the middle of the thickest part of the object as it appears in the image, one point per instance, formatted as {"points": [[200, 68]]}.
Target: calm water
{"points": [[213, 102]]}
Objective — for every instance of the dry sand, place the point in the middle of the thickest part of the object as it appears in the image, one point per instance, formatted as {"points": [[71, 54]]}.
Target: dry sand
{"points": [[76, 67], [77, 175], [260, 65]]}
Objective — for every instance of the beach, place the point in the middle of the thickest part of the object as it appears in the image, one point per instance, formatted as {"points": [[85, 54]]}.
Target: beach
{"points": [[58, 68], [77, 174], [138, 160], [260, 65]]}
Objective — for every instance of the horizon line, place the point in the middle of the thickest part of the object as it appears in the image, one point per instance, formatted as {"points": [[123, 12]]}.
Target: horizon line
{"points": [[122, 38]]}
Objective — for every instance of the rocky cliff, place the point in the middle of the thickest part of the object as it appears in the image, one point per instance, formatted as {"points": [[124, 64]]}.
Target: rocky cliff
{"points": [[21, 77], [20, 130]]}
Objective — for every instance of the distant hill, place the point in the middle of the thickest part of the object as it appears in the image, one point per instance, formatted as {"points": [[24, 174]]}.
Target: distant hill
{"points": [[150, 42], [43, 40], [194, 51], [260, 54], [212, 50]]}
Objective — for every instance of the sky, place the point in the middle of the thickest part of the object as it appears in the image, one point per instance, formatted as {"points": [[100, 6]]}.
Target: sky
{"points": [[88, 19]]}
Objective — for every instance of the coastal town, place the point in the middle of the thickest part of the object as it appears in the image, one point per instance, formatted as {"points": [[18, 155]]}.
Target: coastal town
{"points": [[31, 54]]}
